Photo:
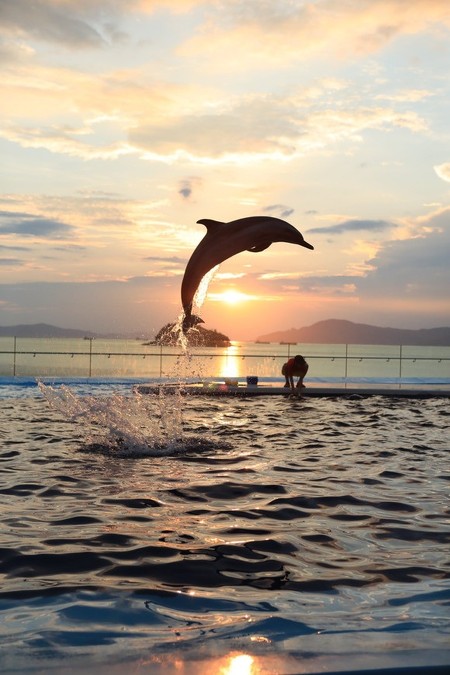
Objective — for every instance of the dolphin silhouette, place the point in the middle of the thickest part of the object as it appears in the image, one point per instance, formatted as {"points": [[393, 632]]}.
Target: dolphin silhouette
{"points": [[224, 240]]}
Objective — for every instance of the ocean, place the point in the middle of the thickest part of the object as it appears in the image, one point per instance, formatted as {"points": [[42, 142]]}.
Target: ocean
{"points": [[77, 358], [193, 535]]}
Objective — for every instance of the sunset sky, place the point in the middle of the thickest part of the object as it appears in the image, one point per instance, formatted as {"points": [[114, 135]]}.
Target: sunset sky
{"points": [[123, 122]]}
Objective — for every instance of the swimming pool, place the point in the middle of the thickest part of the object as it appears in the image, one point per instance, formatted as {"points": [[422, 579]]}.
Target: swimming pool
{"points": [[246, 536]]}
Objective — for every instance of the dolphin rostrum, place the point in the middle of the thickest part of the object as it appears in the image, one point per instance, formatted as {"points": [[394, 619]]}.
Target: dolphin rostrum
{"points": [[224, 240]]}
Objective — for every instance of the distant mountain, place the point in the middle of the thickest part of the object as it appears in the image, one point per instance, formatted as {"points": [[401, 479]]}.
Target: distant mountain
{"points": [[43, 330], [336, 331]]}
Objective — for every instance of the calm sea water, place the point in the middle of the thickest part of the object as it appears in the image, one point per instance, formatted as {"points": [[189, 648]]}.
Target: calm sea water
{"points": [[160, 535], [29, 357]]}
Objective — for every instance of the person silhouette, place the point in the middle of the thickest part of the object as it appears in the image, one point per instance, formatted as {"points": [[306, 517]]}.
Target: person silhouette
{"points": [[295, 367]]}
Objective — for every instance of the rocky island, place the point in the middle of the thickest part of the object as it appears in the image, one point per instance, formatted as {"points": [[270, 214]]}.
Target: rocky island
{"points": [[196, 337]]}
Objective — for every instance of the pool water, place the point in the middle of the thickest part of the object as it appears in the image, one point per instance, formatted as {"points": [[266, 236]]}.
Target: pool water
{"points": [[222, 536]]}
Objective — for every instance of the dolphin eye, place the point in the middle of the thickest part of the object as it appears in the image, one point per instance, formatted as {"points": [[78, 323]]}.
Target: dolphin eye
{"points": [[259, 247]]}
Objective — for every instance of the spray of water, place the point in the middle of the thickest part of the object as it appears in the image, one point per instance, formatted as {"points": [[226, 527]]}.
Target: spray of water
{"points": [[136, 425], [184, 364], [127, 425], [130, 426], [202, 290], [199, 298]]}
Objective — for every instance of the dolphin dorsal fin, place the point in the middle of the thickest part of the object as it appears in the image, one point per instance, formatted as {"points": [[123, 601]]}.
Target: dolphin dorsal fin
{"points": [[211, 225]]}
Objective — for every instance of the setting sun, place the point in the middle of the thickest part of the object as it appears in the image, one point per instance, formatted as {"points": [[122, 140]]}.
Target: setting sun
{"points": [[231, 297]]}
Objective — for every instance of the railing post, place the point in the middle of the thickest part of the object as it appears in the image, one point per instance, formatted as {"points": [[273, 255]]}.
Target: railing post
{"points": [[400, 365], [90, 356], [346, 362], [14, 356]]}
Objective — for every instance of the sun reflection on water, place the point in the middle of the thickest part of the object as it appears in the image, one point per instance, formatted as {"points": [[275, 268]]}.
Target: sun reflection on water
{"points": [[234, 663], [230, 364], [242, 664]]}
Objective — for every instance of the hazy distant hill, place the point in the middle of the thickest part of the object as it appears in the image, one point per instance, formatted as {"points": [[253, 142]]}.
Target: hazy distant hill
{"points": [[336, 331], [43, 330], [332, 331]]}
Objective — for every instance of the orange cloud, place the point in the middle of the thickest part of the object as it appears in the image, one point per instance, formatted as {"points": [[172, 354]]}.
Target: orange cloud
{"points": [[271, 34]]}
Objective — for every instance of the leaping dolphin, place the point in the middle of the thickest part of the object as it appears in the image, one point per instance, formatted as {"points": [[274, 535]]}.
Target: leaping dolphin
{"points": [[224, 240]]}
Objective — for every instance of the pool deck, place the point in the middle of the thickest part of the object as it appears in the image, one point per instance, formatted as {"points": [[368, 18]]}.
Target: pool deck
{"points": [[311, 391]]}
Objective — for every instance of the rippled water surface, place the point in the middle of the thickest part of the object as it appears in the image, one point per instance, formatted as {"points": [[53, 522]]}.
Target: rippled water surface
{"points": [[298, 534]]}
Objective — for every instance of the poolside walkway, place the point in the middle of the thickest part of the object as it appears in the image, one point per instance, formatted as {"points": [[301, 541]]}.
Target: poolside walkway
{"points": [[311, 391]]}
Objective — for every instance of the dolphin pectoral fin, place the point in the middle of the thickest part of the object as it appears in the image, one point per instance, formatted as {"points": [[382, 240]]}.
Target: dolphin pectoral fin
{"points": [[211, 225], [261, 247]]}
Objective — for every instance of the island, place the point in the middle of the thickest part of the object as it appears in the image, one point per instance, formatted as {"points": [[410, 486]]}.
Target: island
{"points": [[196, 337]]}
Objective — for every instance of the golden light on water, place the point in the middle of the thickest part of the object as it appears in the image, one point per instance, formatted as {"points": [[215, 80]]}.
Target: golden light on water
{"points": [[234, 663], [230, 364], [241, 664]]}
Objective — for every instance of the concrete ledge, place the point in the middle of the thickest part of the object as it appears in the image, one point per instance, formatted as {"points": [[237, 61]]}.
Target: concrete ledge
{"points": [[221, 389]]}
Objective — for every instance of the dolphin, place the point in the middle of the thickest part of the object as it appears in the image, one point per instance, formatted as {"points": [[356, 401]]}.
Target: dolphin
{"points": [[224, 240]]}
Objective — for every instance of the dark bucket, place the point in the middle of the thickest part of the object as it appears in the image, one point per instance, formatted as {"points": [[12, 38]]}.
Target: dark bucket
{"points": [[252, 381]]}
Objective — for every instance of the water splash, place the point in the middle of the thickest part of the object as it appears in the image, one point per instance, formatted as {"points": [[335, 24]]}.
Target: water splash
{"points": [[184, 365], [198, 300], [131, 426], [202, 290], [135, 425]]}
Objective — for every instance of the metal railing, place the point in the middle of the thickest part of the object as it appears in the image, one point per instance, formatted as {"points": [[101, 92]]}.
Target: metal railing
{"points": [[339, 361]]}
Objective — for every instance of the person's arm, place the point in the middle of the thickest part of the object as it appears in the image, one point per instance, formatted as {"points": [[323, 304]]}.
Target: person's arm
{"points": [[290, 374]]}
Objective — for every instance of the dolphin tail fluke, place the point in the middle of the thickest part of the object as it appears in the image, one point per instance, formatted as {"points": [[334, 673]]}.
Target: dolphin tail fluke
{"points": [[190, 321]]}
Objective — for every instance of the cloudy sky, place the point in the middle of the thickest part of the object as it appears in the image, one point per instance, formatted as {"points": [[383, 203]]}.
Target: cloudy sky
{"points": [[123, 122]]}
